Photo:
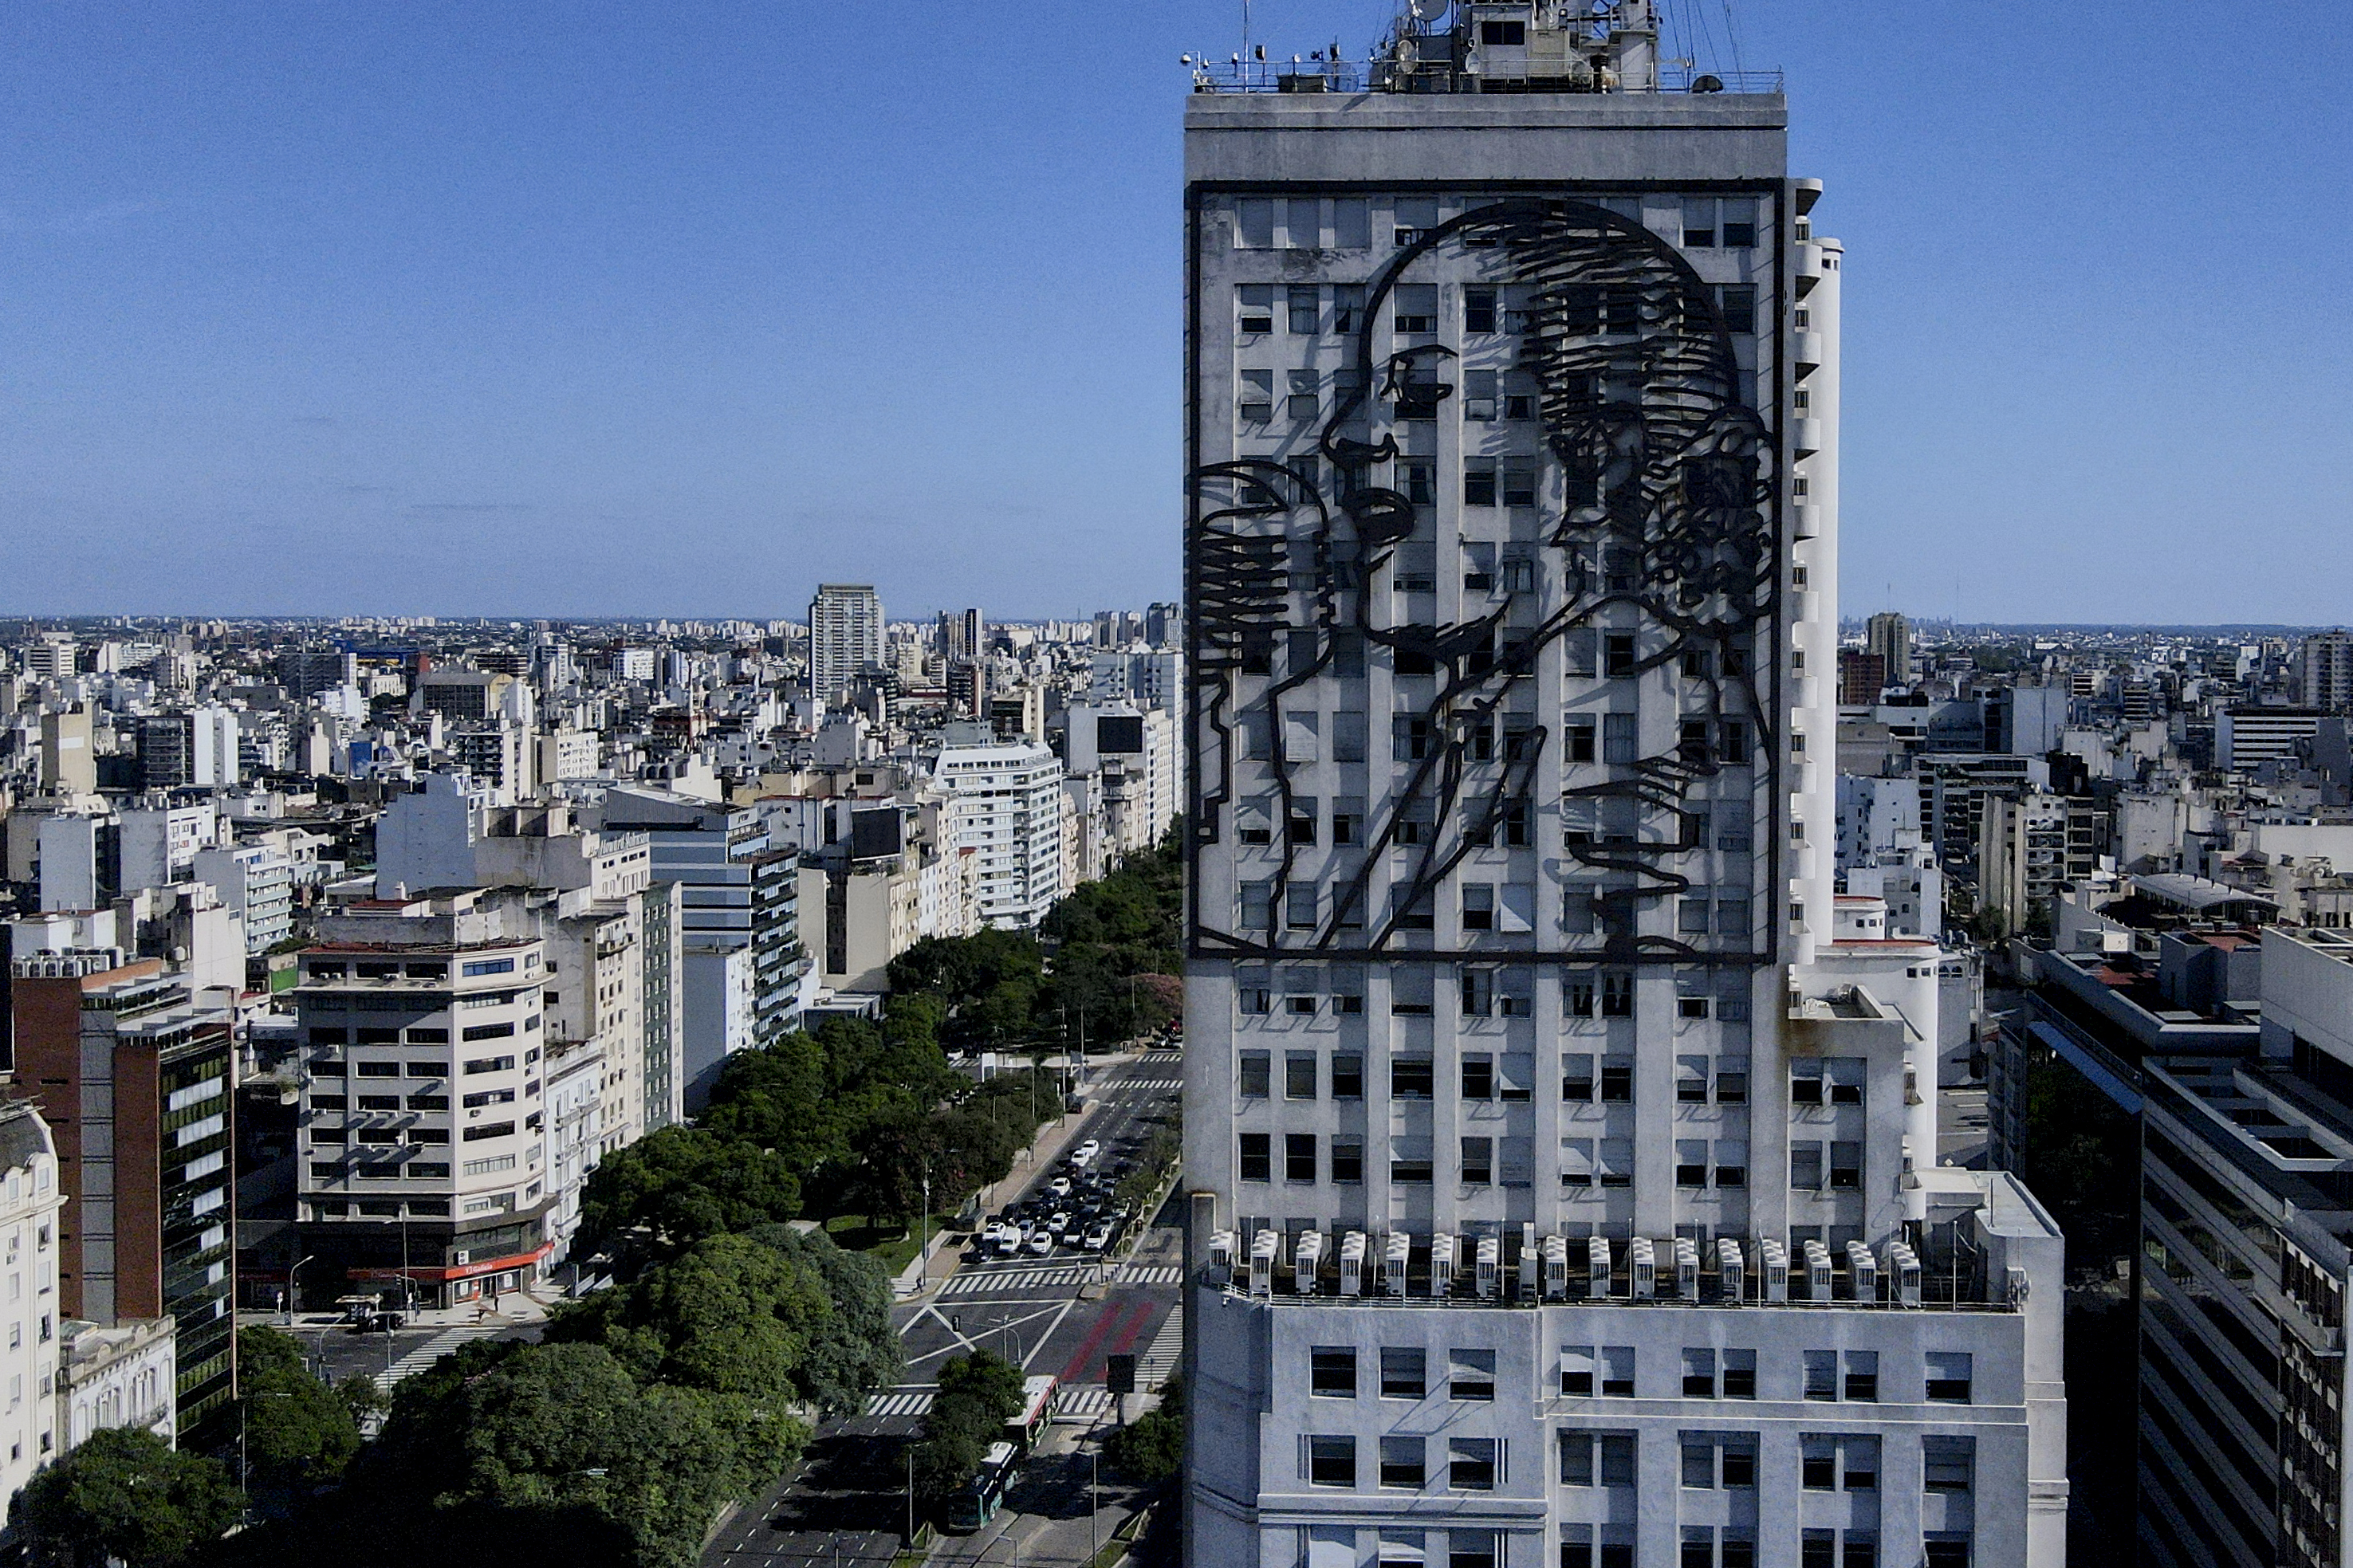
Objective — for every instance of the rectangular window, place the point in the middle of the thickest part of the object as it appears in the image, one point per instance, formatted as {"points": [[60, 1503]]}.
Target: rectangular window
{"points": [[1256, 912], [1254, 1001], [1471, 1463], [1699, 222], [1415, 306], [1740, 1374], [1479, 395], [1405, 1371], [1846, 1166], [1301, 900], [1617, 655], [1257, 1075], [1348, 1161], [495, 1129], [380, 1069], [1699, 1373], [1805, 1166], [1478, 1162], [1478, 1075], [1863, 1376], [1256, 1163], [1412, 1077], [1949, 1374], [1404, 1466], [1691, 1161], [1821, 1374], [1578, 738], [1950, 1463], [1332, 1372], [1332, 1461], [1299, 1067], [1300, 301], [489, 1032], [1349, 1068], [1299, 1157], [1621, 745], [1617, 994], [1576, 1077], [1739, 304], [1479, 483], [1617, 1080], [1471, 1375], [1254, 396]]}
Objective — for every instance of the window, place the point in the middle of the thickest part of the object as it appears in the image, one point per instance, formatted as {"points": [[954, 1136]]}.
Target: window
{"points": [[1617, 655], [1510, 35], [1299, 1072], [1478, 1075], [1471, 1375], [1415, 308], [1477, 905], [1699, 1374], [1332, 1461], [1478, 1162], [1412, 1077], [1405, 1371], [1739, 304], [1257, 910], [487, 966], [1256, 1075], [487, 1032], [1805, 1082], [1409, 737], [1617, 1373], [1300, 405], [1620, 743], [1254, 396], [1577, 1371], [1256, 299], [1257, 1158], [1617, 1000], [1821, 1374], [1479, 395], [1410, 1163], [1348, 1160], [1299, 1156], [1471, 1463], [1949, 1376], [1577, 735], [379, 1069], [1349, 1068], [494, 1130], [1846, 1166], [1403, 1463], [1699, 222], [1332, 1372], [1479, 483], [1300, 302], [1519, 489], [1302, 1007], [1577, 1078], [1950, 1463], [1947, 1551], [1596, 1458], [1691, 1161], [1617, 1080], [1691, 1080], [1863, 1376], [1740, 1374]]}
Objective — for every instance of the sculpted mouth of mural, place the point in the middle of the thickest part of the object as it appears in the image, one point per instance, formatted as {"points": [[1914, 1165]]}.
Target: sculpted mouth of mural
{"points": [[1656, 519]]}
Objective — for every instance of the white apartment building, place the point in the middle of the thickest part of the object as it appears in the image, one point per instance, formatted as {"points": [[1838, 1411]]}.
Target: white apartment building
{"points": [[845, 637], [1561, 1146], [121, 1376], [422, 1152], [255, 882], [31, 1197], [1006, 807], [1139, 753]]}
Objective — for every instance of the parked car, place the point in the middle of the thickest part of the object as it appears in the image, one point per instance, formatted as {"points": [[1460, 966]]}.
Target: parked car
{"points": [[1041, 1245], [1099, 1238], [1060, 1187]]}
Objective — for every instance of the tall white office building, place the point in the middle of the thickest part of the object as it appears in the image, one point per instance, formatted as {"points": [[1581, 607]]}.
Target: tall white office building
{"points": [[845, 637], [1562, 1150]]}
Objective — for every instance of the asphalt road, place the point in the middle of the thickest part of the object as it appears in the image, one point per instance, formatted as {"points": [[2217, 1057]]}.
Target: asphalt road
{"points": [[1062, 1314]]}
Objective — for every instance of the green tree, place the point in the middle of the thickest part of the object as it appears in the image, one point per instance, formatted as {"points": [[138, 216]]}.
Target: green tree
{"points": [[977, 1395], [852, 1350], [1151, 1449], [125, 1493], [779, 1097], [726, 1316], [297, 1432], [683, 1183]]}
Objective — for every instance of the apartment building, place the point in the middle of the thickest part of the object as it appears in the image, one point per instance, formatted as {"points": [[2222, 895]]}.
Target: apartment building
{"points": [[845, 638], [1561, 1147], [32, 1199], [131, 1068], [421, 1164], [1006, 807]]}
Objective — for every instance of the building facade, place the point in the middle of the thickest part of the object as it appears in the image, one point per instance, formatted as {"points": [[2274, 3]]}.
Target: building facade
{"points": [[845, 638], [1006, 807], [31, 1200], [132, 1071], [1561, 1146]]}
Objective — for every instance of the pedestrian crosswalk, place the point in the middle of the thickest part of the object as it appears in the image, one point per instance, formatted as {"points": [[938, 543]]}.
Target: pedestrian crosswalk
{"points": [[1153, 1083], [434, 1349], [1081, 1404], [1159, 1363], [901, 1402], [999, 1281], [1147, 1274]]}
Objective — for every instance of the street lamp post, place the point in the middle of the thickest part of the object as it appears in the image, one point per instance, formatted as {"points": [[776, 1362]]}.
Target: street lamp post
{"points": [[293, 1285]]}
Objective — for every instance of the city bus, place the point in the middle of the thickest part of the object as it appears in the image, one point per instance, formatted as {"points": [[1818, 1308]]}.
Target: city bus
{"points": [[1037, 1410], [978, 1503]]}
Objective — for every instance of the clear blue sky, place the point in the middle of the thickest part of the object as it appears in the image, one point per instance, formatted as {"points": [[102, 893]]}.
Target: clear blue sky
{"points": [[679, 308]]}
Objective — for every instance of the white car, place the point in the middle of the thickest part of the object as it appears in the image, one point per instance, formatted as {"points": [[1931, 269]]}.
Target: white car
{"points": [[1099, 1238], [1090, 1148], [1042, 1244], [1060, 1187], [1059, 1224], [1007, 1240]]}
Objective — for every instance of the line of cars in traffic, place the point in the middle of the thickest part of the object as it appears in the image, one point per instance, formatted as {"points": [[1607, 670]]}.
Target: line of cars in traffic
{"points": [[1078, 1209]]}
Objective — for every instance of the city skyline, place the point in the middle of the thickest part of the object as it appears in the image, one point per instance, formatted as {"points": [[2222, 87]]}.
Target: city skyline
{"points": [[317, 313]]}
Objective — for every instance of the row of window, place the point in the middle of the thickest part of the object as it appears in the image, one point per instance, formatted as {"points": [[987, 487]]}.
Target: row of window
{"points": [[412, 968], [417, 1034], [1609, 1371], [1419, 310], [1585, 1078], [1348, 222], [1710, 1462], [413, 1067]]}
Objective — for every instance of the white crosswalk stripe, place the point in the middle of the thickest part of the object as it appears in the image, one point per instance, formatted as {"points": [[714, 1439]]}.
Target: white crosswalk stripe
{"points": [[1143, 1274], [1082, 1403], [433, 1349], [991, 1281], [1166, 1348], [1155, 1083], [900, 1401]]}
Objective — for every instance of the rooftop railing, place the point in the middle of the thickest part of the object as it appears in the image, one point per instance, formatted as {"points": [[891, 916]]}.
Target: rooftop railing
{"points": [[1385, 75]]}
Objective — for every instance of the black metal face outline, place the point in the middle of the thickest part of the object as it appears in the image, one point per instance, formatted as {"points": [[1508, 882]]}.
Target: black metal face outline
{"points": [[1676, 474]]}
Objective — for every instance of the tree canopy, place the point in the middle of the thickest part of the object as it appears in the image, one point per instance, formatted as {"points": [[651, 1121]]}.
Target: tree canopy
{"points": [[125, 1493]]}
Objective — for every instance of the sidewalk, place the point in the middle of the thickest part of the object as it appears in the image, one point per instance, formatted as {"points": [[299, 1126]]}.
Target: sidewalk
{"points": [[939, 1261]]}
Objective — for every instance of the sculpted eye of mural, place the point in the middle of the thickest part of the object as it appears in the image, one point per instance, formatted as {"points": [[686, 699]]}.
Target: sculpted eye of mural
{"points": [[1655, 545]]}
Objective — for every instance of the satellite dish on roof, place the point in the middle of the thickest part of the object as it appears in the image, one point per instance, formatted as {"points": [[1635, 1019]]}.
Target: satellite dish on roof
{"points": [[1708, 84], [1428, 10]]}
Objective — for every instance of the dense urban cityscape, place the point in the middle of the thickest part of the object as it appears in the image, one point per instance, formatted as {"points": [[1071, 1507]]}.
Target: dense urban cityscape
{"points": [[1731, 1074]]}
